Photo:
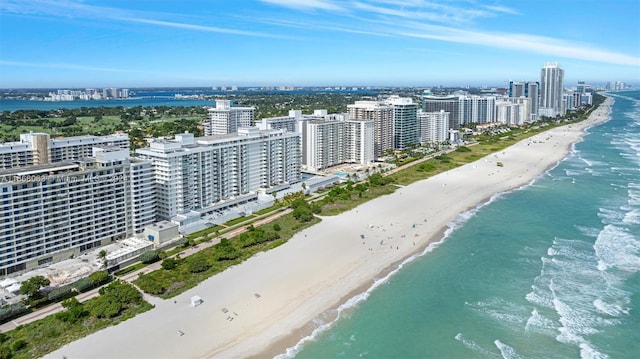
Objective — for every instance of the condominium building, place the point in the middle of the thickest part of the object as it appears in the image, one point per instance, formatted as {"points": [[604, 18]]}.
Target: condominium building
{"points": [[289, 123], [551, 82], [333, 141], [51, 211], [434, 126], [462, 109], [528, 90], [143, 194], [450, 104], [226, 118], [40, 148], [510, 112], [382, 117], [406, 127], [477, 109], [203, 174]]}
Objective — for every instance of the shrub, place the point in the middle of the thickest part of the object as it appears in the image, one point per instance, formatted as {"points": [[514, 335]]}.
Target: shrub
{"points": [[198, 264], [60, 293], [149, 285], [18, 344], [169, 264], [11, 311], [83, 284], [276, 227], [99, 277], [149, 257]]}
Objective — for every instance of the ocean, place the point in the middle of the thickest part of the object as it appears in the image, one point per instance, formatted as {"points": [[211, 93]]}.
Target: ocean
{"points": [[550, 270]]}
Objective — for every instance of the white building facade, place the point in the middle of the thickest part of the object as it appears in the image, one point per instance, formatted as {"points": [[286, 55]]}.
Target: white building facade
{"points": [[226, 118], [382, 117], [434, 126], [51, 211], [200, 174], [551, 87], [332, 142]]}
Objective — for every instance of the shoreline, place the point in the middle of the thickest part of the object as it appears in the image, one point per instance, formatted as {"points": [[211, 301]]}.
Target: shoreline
{"points": [[274, 297]]}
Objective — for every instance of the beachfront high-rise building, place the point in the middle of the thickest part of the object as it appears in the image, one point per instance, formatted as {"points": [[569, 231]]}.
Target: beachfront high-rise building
{"points": [[51, 211], [333, 140], [528, 90], [450, 104], [382, 117], [551, 88], [434, 126], [226, 118], [40, 148], [208, 174], [143, 194], [406, 127]]}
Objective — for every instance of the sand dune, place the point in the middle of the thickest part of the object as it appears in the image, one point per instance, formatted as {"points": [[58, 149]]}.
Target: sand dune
{"points": [[265, 304]]}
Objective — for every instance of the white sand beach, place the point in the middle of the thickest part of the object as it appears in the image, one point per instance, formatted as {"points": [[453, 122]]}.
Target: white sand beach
{"points": [[266, 303]]}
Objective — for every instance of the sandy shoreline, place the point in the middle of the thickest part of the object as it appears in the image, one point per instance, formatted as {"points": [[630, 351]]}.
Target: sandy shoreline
{"points": [[271, 299]]}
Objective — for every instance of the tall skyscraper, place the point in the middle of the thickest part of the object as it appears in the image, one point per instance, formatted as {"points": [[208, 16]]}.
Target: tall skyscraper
{"points": [[551, 81]]}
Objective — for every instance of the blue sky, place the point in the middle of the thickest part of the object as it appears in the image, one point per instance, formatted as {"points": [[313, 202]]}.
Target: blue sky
{"points": [[93, 43]]}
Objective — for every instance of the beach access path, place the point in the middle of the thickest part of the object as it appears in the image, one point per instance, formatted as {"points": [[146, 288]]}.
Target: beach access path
{"points": [[266, 304]]}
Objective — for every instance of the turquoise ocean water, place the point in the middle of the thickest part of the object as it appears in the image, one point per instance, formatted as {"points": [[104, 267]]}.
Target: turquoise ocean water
{"points": [[551, 270]]}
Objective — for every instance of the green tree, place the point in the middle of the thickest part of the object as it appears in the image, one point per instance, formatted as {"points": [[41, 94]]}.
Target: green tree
{"points": [[31, 287]]}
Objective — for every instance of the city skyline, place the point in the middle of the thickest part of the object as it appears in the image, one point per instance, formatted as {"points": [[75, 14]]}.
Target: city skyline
{"points": [[313, 42]]}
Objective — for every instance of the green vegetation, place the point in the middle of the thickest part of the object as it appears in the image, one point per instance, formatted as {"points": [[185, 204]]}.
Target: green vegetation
{"points": [[117, 302], [190, 271]]}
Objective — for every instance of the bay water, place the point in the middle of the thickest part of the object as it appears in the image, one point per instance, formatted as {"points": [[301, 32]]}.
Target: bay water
{"points": [[550, 270]]}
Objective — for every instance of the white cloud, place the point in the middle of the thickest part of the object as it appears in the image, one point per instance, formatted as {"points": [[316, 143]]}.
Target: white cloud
{"points": [[306, 4], [63, 66]]}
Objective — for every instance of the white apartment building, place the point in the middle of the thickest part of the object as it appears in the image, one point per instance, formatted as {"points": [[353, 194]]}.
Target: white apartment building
{"points": [[382, 117], [226, 118], [511, 113], [289, 123], [434, 126], [143, 194], [337, 140], [551, 87], [15, 154], [51, 211], [40, 148], [207, 174]]}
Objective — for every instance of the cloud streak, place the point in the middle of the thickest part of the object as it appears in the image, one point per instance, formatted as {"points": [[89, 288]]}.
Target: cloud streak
{"points": [[427, 20], [63, 66]]}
